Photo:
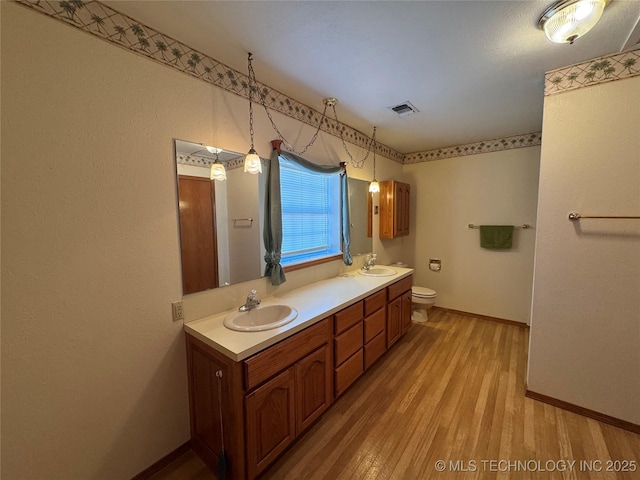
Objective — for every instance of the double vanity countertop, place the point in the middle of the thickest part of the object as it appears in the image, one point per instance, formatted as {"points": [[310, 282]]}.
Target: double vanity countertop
{"points": [[313, 302]]}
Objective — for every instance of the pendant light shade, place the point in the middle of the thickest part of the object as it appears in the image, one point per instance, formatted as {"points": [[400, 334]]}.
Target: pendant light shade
{"points": [[568, 20], [217, 171], [252, 162], [374, 186]]}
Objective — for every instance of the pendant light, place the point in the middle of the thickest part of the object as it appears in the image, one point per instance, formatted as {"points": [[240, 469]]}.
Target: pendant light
{"points": [[567, 20], [218, 171], [252, 162], [374, 186]]}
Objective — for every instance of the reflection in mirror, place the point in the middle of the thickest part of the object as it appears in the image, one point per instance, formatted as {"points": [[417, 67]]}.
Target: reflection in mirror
{"points": [[358, 216], [220, 221]]}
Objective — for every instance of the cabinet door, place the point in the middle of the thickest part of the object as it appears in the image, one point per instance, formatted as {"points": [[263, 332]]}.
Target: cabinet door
{"points": [[386, 200], [270, 421], [313, 387], [395, 202], [402, 198], [406, 311], [394, 327]]}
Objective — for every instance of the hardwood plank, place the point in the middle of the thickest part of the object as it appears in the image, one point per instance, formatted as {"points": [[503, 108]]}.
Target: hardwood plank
{"points": [[451, 389]]}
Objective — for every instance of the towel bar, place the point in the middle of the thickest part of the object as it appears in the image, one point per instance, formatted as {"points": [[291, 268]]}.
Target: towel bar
{"points": [[517, 227], [576, 216]]}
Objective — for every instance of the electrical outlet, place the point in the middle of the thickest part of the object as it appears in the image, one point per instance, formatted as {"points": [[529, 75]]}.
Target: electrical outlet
{"points": [[176, 309]]}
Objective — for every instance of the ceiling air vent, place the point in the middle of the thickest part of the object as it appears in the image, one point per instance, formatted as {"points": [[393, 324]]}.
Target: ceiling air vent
{"points": [[404, 109]]}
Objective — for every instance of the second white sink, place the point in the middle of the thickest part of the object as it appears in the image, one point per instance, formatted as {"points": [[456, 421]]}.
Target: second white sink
{"points": [[263, 317], [377, 272]]}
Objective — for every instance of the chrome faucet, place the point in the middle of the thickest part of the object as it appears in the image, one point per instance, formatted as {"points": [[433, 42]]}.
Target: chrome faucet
{"points": [[252, 301], [370, 261]]}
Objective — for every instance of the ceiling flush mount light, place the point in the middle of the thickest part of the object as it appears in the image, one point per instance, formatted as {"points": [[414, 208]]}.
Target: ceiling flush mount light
{"points": [[374, 186], [252, 162], [568, 20], [218, 171]]}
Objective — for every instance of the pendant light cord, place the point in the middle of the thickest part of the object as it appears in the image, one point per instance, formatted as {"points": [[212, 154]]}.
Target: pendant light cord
{"points": [[287, 145], [354, 162], [328, 102], [373, 142], [252, 75]]}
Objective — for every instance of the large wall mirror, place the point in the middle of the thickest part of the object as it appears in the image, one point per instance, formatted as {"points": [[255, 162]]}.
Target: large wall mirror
{"points": [[221, 221]]}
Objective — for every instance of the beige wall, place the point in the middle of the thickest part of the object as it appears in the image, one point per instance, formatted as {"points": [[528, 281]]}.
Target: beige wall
{"points": [[491, 188], [585, 328], [93, 368]]}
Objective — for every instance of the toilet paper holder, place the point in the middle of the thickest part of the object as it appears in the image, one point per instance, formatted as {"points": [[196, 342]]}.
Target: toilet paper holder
{"points": [[435, 264]]}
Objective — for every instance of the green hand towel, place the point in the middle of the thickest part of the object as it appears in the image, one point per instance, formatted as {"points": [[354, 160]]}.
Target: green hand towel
{"points": [[496, 236]]}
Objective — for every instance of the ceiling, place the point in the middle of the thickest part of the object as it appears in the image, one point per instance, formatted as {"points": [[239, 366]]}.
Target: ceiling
{"points": [[473, 69]]}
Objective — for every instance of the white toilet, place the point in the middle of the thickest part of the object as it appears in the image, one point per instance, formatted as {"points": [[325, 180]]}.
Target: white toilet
{"points": [[422, 299]]}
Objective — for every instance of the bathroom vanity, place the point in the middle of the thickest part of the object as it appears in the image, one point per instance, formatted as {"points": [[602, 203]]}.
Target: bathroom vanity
{"points": [[274, 384]]}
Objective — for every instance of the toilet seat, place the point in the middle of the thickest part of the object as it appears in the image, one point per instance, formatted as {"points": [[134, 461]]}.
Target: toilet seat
{"points": [[422, 292]]}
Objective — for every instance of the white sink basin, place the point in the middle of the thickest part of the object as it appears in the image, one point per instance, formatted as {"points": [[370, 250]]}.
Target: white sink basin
{"points": [[263, 317], [377, 272]]}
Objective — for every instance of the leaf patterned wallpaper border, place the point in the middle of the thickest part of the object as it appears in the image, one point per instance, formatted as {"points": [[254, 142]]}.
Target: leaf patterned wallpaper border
{"points": [[201, 161], [104, 22], [593, 72], [496, 145]]}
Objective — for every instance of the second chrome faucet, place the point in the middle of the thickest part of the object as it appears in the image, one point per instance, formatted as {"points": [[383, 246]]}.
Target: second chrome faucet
{"points": [[252, 301]]}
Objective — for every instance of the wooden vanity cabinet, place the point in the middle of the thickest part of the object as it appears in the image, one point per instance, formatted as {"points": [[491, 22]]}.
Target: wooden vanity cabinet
{"points": [[270, 398], [277, 411], [282, 408], [395, 200]]}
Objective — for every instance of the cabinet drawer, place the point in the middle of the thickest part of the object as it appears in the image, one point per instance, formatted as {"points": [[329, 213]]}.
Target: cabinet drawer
{"points": [[374, 350], [375, 302], [348, 317], [374, 324], [400, 287], [267, 363], [348, 343], [348, 372]]}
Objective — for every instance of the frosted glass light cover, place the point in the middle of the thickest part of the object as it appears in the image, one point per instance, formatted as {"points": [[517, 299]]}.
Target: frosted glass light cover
{"points": [[374, 187], [572, 21], [252, 162], [218, 172]]}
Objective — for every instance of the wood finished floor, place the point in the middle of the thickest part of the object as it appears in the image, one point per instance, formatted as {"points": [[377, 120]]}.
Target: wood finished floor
{"points": [[453, 390]]}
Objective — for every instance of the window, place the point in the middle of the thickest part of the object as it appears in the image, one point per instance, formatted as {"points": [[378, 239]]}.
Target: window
{"points": [[310, 214]]}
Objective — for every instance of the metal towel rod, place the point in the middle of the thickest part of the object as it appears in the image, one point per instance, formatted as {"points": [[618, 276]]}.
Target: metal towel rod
{"points": [[250, 219], [576, 216], [517, 227]]}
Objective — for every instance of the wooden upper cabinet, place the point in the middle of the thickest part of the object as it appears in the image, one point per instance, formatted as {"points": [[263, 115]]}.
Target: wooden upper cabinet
{"points": [[394, 209]]}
